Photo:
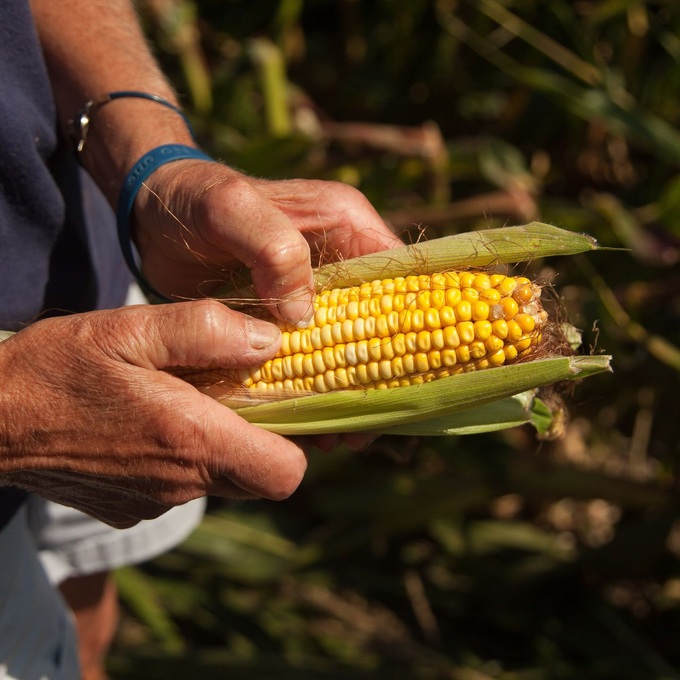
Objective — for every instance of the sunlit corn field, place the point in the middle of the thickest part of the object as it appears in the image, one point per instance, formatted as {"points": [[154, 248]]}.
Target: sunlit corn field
{"points": [[505, 555]]}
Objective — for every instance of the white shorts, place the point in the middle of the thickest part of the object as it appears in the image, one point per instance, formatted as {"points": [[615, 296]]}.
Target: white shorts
{"points": [[70, 543]]}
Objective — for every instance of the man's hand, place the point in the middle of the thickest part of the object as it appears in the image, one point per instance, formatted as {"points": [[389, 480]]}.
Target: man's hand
{"points": [[92, 419], [195, 219]]}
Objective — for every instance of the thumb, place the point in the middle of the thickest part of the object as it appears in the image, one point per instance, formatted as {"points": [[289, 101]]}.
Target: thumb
{"points": [[199, 334]]}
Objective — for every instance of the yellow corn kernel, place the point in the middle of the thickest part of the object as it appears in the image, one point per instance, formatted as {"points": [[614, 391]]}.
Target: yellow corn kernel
{"points": [[477, 349], [438, 282], [398, 303], [523, 294], [385, 368], [466, 332], [397, 365], [451, 337], [509, 306], [490, 295], [418, 320], [306, 345], [405, 321], [437, 338], [437, 298], [496, 358], [463, 311], [480, 310], [393, 323], [467, 279], [399, 344], [449, 357], [277, 368], [424, 341], [447, 316], [453, 297], [434, 359], [399, 284], [411, 342], [329, 357], [483, 329], [514, 331], [375, 349], [493, 344], [506, 286], [463, 354], [500, 328], [422, 363], [470, 294], [423, 300], [339, 355], [341, 379], [523, 344], [482, 281], [526, 322], [386, 305], [432, 319]]}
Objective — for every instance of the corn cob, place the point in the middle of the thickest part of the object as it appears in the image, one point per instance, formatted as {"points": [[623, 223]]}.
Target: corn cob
{"points": [[405, 331]]}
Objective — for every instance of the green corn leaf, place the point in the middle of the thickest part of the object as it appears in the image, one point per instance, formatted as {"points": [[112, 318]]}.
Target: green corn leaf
{"points": [[469, 249], [379, 410]]}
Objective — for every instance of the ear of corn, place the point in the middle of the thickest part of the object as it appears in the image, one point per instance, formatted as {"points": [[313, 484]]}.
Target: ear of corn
{"points": [[435, 395]]}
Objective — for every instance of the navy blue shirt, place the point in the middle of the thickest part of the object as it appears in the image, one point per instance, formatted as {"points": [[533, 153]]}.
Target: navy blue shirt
{"points": [[58, 245]]}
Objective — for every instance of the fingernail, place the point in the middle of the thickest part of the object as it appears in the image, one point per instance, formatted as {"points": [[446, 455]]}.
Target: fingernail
{"points": [[296, 308], [261, 334]]}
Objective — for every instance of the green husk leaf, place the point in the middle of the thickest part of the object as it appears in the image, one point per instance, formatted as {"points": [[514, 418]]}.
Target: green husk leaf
{"points": [[379, 410], [504, 245], [497, 415]]}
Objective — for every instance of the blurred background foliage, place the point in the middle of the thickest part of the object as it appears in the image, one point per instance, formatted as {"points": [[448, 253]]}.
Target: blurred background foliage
{"points": [[493, 556]]}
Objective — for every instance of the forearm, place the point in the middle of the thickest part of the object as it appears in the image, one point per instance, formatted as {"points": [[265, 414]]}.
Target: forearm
{"points": [[93, 47]]}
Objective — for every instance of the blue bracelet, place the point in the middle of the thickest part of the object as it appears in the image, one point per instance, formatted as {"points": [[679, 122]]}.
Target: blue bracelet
{"points": [[132, 183]]}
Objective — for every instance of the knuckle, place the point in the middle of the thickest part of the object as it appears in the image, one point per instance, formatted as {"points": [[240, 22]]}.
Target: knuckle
{"points": [[343, 193], [241, 192], [290, 249], [212, 319]]}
